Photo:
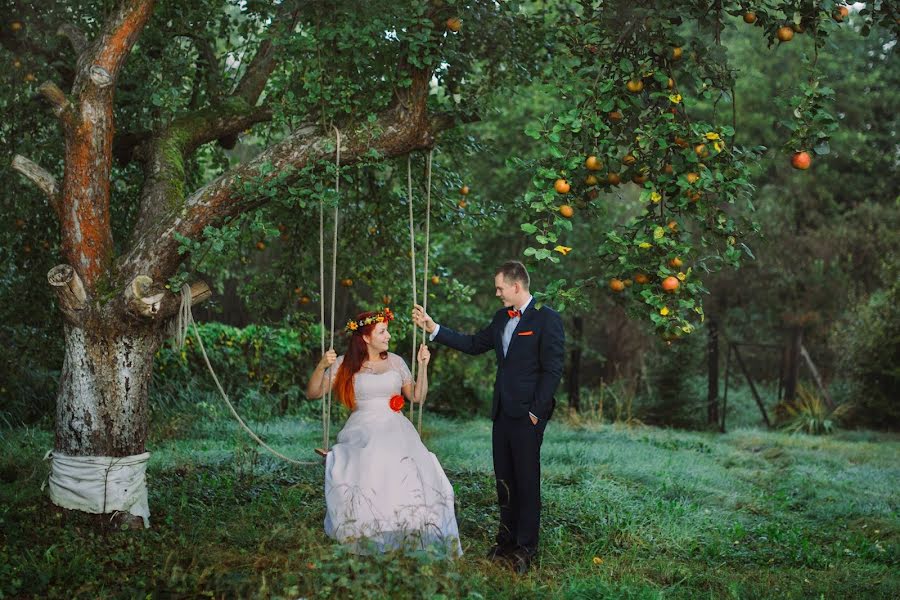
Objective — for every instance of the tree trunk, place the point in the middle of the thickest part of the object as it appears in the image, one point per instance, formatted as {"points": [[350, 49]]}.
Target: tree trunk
{"points": [[792, 363], [102, 401], [712, 386], [573, 378], [99, 461]]}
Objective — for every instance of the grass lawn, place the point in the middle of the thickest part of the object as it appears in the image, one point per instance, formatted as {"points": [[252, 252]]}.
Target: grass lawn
{"points": [[628, 513]]}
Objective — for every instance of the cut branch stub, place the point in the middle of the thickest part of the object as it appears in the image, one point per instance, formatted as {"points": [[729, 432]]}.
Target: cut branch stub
{"points": [[140, 298], [146, 300], [200, 292], [69, 289], [100, 76]]}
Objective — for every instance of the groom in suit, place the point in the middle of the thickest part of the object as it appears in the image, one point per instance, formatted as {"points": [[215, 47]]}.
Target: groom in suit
{"points": [[529, 345]]}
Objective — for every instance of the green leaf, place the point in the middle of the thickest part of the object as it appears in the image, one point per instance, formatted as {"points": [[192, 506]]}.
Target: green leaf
{"points": [[533, 130]]}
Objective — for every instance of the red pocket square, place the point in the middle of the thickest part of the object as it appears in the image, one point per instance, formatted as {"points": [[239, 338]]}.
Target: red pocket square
{"points": [[526, 333]]}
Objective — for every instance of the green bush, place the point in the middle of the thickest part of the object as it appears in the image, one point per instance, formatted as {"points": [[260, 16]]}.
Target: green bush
{"points": [[869, 343], [253, 360], [250, 362]]}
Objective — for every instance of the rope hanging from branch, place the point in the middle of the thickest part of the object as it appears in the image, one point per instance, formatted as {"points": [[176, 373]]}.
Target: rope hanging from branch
{"points": [[326, 398], [184, 320], [425, 271], [412, 256]]}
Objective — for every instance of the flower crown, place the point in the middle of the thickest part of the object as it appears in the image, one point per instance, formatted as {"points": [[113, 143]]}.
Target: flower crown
{"points": [[382, 316]]}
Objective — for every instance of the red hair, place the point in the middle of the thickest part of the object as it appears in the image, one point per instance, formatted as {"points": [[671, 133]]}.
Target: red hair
{"points": [[356, 355]]}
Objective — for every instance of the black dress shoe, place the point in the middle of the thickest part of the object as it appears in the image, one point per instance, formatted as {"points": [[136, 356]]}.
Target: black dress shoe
{"points": [[500, 552], [521, 560]]}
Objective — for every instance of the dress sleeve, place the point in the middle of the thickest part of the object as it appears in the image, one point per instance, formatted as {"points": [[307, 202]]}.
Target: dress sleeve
{"points": [[399, 365]]}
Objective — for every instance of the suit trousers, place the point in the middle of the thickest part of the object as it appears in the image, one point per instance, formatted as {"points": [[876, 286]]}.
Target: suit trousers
{"points": [[517, 469]]}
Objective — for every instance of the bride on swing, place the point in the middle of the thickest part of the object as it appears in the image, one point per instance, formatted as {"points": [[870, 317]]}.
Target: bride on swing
{"points": [[383, 488]]}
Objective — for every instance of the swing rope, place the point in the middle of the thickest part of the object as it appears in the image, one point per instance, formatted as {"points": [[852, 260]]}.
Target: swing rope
{"points": [[427, 247], [326, 398], [184, 320], [412, 255]]}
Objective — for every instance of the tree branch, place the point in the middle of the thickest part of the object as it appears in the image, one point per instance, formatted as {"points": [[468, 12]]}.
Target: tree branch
{"points": [[221, 122], [264, 62], [99, 64], [40, 177], [165, 152], [398, 131], [75, 36], [165, 217], [87, 241]]}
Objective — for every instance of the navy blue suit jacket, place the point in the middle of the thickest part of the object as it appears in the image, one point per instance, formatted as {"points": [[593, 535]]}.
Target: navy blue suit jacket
{"points": [[527, 377]]}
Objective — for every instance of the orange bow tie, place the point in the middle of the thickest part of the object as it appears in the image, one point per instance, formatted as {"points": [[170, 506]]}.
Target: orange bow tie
{"points": [[514, 313]]}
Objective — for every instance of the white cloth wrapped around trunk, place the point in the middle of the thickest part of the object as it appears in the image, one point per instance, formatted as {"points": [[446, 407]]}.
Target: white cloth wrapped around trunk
{"points": [[100, 484]]}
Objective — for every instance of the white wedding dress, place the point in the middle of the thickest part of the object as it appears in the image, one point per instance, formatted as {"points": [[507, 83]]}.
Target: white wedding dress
{"points": [[383, 488]]}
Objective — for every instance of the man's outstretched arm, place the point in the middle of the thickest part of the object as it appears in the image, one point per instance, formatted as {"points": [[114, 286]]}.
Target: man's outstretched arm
{"points": [[477, 343]]}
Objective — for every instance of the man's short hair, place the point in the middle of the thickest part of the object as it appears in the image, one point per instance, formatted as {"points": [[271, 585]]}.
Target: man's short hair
{"points": [[513, 271]]}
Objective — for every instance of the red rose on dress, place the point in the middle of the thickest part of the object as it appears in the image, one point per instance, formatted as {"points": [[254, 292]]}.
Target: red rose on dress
{"points": [[396, 403]]}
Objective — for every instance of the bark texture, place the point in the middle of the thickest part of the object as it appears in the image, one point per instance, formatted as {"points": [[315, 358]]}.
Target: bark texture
{"points": [[101, 409]]}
